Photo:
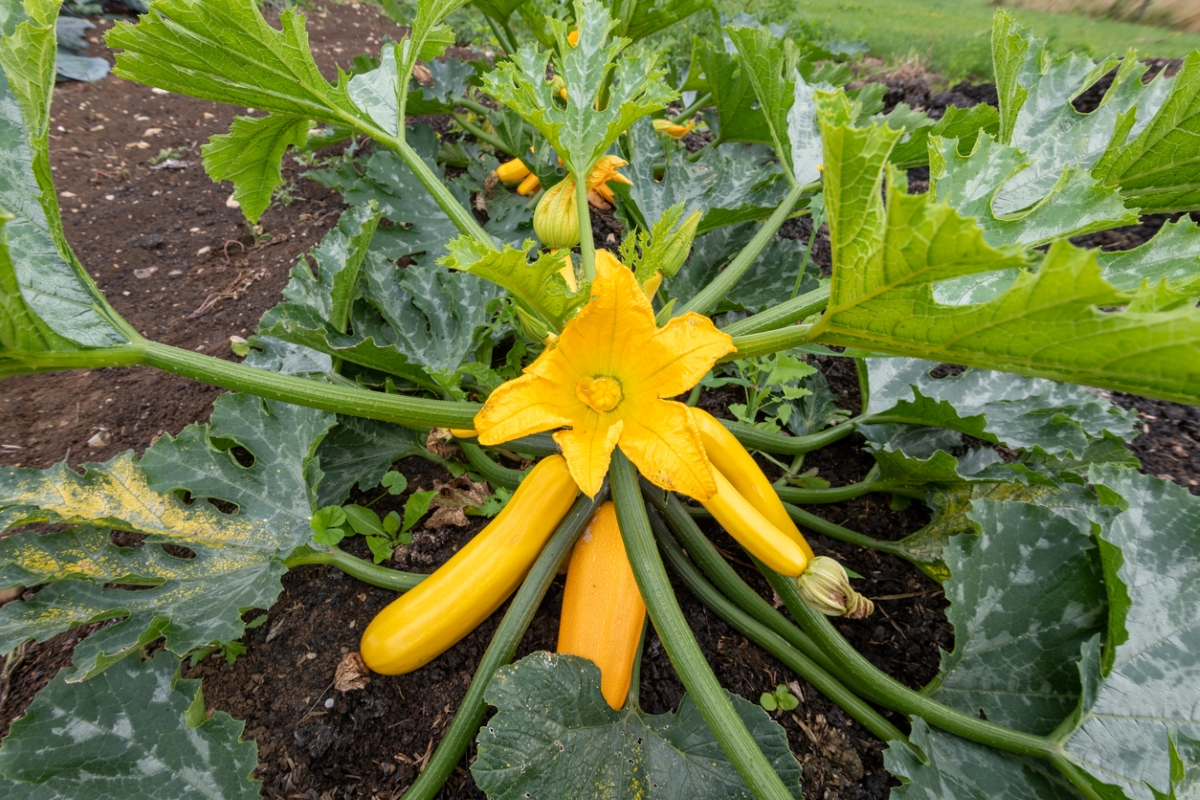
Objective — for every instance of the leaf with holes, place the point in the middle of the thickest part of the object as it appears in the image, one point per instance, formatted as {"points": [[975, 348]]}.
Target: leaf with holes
{"points": [[193, 601]]}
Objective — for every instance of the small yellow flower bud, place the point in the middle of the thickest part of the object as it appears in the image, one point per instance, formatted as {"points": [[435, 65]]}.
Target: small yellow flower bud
{"points": [[556, 218], [573, 38], [825, 587], [671, 129], [559, 87]]}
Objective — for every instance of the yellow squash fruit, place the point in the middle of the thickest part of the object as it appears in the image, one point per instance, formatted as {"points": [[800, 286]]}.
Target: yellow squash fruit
{"points": [[753, 531], [426, 621], [727, 454], [602, 609]]}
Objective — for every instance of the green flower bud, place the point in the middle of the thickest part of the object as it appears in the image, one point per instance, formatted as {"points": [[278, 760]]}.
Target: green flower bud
{"points": [[556, 218], [678, 245], [825, 587]]}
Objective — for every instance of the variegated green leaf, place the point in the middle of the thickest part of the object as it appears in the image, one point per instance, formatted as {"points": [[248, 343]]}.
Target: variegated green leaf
{"points": [[238, 550]]}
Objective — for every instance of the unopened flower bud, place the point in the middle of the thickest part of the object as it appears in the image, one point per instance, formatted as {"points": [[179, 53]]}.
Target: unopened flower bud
{"points": [[671, 129], [573, 37], [678, 245], [825, 587], [556, 219]]}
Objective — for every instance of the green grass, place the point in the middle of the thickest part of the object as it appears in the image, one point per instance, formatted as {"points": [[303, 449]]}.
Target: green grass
{"points": [[952, 37]]}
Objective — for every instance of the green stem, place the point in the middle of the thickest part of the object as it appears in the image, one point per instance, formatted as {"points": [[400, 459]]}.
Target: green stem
{"points": [[700, 102], [812, 238], [481, 134], [864, 384], [504, 645], [587, 245], [635, 678], [753, 438], [767, 342], [770, 641], [491, 472], [783, 314], [356, 567], [836, 494], [473, 105], [718, 570], [872, 683], [835, 531], [504, 36], [411, 411], [28, 363], [714, 705], [710, 295]]}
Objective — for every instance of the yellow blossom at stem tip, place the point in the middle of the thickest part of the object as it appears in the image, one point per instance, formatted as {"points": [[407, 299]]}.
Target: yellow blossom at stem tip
{"points": [[603, 383]]}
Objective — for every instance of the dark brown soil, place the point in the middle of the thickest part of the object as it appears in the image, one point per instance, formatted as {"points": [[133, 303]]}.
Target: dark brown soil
{"points": [[372, 742]]}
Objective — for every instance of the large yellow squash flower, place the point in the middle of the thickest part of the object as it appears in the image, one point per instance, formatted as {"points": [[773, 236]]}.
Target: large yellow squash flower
{"points": [[604, 381]]}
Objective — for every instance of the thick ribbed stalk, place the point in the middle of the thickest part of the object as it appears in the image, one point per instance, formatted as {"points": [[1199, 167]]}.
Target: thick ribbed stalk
{"points": [[714, 705], [587, 244], [708, 297], [767, 342], [356, 567], [770, 641], [491, 472], [504, 645], [876, 685], [718, 570], [783, 314], [753, 438], [411, 411]]}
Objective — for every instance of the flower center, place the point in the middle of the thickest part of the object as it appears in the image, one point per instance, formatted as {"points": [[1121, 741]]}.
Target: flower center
{"points": [[599, 394]]}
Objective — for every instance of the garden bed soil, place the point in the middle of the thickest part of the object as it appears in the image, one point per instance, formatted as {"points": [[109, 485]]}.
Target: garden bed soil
{"points": [[142, 233]]}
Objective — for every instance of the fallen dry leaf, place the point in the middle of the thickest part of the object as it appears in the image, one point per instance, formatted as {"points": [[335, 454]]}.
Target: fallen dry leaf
{"points": [[452, 500], [352, 674], [441, 442]]}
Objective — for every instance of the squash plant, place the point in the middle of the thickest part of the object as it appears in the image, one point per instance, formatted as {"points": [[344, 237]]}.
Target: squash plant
{"points": [[1074, 580]]}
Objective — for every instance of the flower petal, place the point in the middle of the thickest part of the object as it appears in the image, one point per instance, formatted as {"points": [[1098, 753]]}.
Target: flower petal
{"points": [[525, 405], [664, 443], [611, 332], [588, 451], [680, 354]]}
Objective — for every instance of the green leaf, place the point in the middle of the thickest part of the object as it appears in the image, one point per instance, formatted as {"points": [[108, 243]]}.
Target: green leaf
{"points": [[129, 733], [1185, 768], [1173, 255], [767, 701], [499, 10], [578, 132], [958, 769], [416, 507], [53, 285], [337, 260], [1026, 592], [728, 184], [770, 63], [959, 124], [381, 547], [363, 520], [251, 155], [554, 722], [433, 313], [651, 17], [1013, 411], [193, 601], [537, 287], [950, 505], [394, 482], [427, 39], [224, 50], [1147, 683], [1047, 324], [739, 117]]}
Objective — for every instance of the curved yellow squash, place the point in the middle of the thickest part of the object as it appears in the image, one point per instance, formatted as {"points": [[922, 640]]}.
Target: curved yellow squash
{"points": [[727, 454], [753, 531], [463, 592]]}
